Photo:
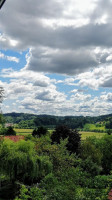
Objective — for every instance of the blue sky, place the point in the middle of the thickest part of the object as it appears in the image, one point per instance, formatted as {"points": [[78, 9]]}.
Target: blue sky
{"points": [[56, 57]]}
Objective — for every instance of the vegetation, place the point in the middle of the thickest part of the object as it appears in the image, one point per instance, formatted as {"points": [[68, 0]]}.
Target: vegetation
{"points": [[7, 131], [63, 132], [23, 131], [91, 124], [94, 127], [38, 168], [60, 164], [39, 132]]}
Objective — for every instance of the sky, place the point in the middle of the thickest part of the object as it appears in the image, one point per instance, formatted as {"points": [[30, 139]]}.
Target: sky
{"points": [[56, 57]]}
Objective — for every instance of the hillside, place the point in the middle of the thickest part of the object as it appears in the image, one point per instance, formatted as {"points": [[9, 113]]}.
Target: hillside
{"points": [[31, 120]]}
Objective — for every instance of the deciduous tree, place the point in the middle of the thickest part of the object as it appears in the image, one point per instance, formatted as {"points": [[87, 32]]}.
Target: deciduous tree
{"points": [[63, 132]]}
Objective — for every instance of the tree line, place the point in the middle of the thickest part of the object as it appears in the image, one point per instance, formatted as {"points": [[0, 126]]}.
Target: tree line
{"points": [[23, 120]]}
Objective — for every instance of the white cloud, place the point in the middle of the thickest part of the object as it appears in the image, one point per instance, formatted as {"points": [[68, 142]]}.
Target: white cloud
{"points": [[9, 58], [70, 38], [107, 97], [62, 34], [97, 78]]}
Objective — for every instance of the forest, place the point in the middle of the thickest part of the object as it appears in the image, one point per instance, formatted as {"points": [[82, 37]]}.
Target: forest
{"points": [[23, 120]]}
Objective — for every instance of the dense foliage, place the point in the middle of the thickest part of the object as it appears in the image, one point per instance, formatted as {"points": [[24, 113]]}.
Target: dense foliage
{"points": [[41, 170]]}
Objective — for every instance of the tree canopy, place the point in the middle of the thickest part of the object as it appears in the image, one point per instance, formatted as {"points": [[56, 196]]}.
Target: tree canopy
{"points": [[63, 132]]}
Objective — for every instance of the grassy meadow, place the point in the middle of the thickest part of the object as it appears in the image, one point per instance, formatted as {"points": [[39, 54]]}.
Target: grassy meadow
{"points": [[23, 131], [84, 134], [94, 127]]}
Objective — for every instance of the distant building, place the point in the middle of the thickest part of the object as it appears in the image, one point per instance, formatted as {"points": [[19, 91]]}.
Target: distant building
{"points": [[8, 125]]}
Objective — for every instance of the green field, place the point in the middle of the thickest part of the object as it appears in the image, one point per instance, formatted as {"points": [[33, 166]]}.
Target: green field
{"points": [[23, 131], [94, 127], [84, 134]]}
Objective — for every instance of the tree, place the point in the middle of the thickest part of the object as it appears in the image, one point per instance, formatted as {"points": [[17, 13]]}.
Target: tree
{"points": [[34, 133], [40, 131], [63, 132], [89, 150], [20, 162], [2, 120], [108, 125], [10, 131], [105, 145]]}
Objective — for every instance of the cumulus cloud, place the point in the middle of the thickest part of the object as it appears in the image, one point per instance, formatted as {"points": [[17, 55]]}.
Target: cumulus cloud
{"points": [[64, 48], [97, 78], [61, 61], [69, 38], [81, 97], [26, 97], [107, 97]]}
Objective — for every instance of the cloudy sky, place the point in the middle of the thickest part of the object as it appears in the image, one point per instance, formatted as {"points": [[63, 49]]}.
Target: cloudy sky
{"points": [[56, 56]]}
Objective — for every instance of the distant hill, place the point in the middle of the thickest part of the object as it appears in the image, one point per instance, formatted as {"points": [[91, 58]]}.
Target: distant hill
{"points": [[31, 120]]}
